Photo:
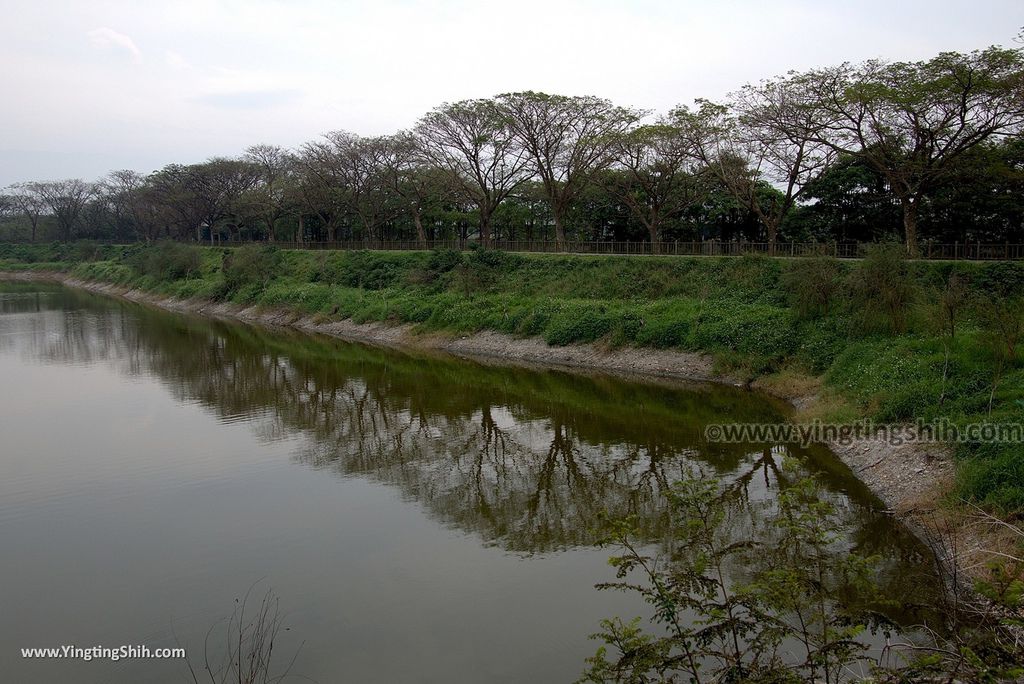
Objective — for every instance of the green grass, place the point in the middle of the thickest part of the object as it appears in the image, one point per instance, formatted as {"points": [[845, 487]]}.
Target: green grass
{"points": [[750, 312]]}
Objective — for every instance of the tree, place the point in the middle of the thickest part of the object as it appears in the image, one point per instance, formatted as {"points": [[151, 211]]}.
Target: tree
{"points": [[207, 195], [657, 179], [569, 139], [848, 202], [181, 211], [420, 185], [981, 199], [472, 143], [764, 146], [27, 200], [913, 121], [8, 207], [780, 136], [220, 184], [66, 199], [272, 197], [131, 195], [354, 172]]}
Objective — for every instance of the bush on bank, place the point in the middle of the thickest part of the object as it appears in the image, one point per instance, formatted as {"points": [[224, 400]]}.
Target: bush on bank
{"points": [[896, 340]]}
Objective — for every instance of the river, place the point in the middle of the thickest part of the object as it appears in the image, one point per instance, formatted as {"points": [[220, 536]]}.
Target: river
{"points": [[417, 517]]}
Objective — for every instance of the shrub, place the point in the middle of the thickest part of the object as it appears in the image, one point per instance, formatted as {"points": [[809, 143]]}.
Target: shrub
{"points": [[251, 266], [765, 331], [366, 269], [812, 285], [85, 250], [579, 323], [442, 261], [482, 257], [882, 289], [164, 261], [1004, 279]]}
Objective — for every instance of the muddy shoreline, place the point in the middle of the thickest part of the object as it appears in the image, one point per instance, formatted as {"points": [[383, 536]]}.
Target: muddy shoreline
{"points": [[910, 479]]}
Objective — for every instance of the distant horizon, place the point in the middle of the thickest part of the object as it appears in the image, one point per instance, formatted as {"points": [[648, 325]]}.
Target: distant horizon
{"points": [[129, 87]]}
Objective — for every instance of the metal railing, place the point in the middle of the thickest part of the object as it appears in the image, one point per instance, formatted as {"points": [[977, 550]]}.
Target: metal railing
{"points": [[973, 251]]}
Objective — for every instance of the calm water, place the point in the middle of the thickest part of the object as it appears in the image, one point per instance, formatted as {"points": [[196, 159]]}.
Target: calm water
{"points": [[421, 519]]}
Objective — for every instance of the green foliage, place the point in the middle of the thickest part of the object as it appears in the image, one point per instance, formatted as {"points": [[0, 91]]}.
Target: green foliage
{"points": [[85, 250], [992, 476], [366, 269], [882, 289], [250, 267], [164, 261], [1002, 279], [707, 628], [578, 322], [812, 285], [442, 261], [754, 314]]}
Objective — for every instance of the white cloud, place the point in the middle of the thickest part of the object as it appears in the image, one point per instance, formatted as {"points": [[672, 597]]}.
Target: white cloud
{"points": [[107, 38], [220, 75], [175, 60]]}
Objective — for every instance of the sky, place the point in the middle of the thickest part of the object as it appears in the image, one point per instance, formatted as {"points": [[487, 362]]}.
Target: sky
{"points": [[88, 87]]}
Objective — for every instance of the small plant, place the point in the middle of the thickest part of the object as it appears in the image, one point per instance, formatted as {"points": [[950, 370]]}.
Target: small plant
{"points": [[165, 261], [85, 250], [250, 266], [812, 285], [442, 261], [882, 289], [247, 653], [1003, 321], [953, 299], [712, 629]]}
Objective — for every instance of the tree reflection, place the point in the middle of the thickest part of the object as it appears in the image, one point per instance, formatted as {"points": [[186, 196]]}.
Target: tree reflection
{"points": [[529, 460]]}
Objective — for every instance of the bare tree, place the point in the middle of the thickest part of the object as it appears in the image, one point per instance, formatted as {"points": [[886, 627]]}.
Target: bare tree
{"points": [[246, 656], [569, 139], [912, 121], [471, 142]]}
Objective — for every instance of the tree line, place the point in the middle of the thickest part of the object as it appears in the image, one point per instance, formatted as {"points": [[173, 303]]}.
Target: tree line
{"points": [[928, 150]]}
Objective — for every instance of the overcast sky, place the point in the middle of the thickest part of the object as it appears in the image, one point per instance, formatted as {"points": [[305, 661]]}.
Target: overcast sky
{"points": [[92, 86]]}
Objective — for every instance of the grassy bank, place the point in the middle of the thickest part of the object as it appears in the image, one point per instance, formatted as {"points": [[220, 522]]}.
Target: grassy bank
{"points": [[889, 340]]}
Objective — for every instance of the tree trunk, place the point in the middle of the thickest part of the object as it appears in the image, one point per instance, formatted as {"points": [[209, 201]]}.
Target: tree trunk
{"points": [[300, 230], [421, 234], [910, 223], [559, 228], [655, 232], [485, 229]]}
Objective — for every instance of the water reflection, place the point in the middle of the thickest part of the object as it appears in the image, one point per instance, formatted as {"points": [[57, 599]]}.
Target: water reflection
{"points": [[528, 460]]}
